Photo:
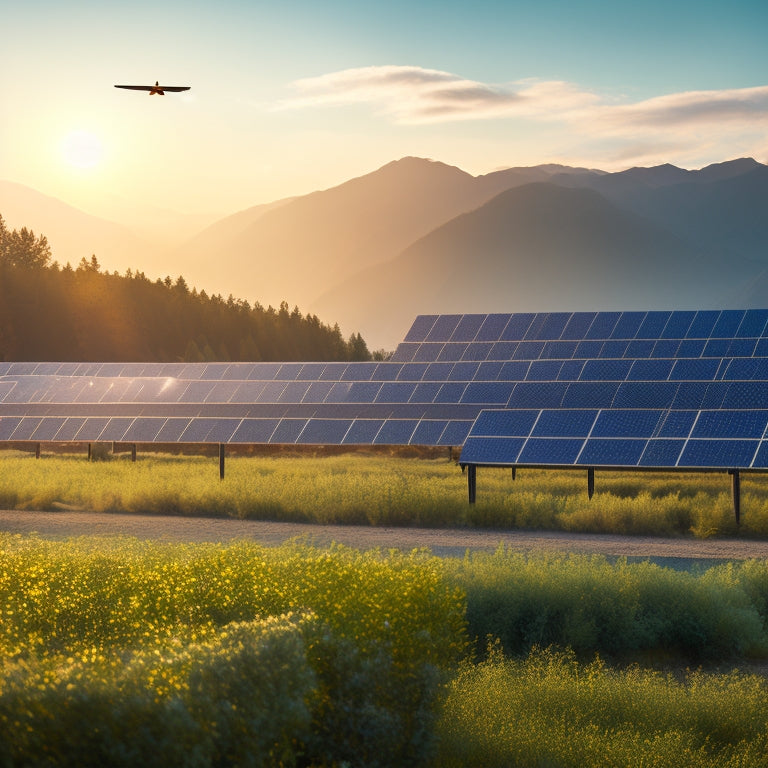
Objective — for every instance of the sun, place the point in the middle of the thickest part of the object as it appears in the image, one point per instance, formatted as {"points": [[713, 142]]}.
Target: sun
{"points": [[82, 149]]}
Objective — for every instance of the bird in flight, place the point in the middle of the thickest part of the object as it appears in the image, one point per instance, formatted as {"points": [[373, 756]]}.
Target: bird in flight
{"points": [[156, 88]]}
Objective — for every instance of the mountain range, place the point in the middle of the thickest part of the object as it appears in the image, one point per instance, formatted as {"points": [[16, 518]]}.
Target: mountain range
{"points": [[419, 236]]}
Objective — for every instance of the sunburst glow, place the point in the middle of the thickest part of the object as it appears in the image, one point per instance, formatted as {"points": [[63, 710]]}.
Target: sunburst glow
{"points": [[82, 149]]}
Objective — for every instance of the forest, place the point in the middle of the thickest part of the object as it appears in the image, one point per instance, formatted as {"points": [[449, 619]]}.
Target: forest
{"points": [[54, 312]]}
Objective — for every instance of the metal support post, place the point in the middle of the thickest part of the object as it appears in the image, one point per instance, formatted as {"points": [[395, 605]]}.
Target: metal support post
{"points": [[221, 461], [736, 493], [472, 482], [133, 453], [590, 481], [514, 473]]}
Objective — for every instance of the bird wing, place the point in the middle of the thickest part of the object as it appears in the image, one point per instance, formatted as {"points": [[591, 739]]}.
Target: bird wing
{"points": [[174, 88]]}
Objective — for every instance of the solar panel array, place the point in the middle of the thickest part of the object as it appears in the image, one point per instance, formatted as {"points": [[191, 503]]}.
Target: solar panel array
{"points": [[650, 389]]}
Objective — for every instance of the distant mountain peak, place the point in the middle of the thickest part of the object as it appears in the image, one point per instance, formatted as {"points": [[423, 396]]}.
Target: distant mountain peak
{"points": [[729, 168], [412, 164]]}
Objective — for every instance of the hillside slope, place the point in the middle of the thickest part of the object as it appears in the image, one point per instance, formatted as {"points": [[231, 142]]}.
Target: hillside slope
{"points": [[536, 247]]}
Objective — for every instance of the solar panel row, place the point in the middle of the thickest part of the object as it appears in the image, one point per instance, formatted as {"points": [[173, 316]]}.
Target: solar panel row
{"points": [[480, 351], [701, 324], [620, 438], [610, 391], [285, 430]]}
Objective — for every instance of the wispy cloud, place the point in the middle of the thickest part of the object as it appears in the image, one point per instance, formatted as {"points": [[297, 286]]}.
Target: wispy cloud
{"points": [[408, 95], [740, 106], [415, 95]]}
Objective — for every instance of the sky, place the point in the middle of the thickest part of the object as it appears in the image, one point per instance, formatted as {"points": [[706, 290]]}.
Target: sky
{"points": [[290, 97]]}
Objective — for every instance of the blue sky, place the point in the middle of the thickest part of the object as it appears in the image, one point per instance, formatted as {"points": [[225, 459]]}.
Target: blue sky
{"points": [[296, 96]]}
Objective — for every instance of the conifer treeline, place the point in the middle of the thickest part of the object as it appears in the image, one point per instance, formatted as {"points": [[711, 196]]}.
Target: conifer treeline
{"points": [[49, 312]]}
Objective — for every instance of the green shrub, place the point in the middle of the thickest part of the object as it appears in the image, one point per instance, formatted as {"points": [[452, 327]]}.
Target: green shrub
{"points": [[237, 699]]}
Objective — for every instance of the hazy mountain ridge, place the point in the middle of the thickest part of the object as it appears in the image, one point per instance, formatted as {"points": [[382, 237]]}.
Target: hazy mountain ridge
{"points": [[532, 247], [322, 238], [702, 233], [421, 236], [724, 206]]}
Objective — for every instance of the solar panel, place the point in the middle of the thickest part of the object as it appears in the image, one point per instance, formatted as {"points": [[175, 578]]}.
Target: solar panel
{"points": [[396, 432], [564, 423], [47, 429], [718, 453], [544, 370], [428, 432], [623, 452], [738, 424], [254, 431], [443, 328], [677, 424], [517, 326], [754, 323], [468, 328], [412, 372], [605, 322], [70, 429], [487, 392], [325, 431], [24, 428], [450, 352], [288, 430], [115, 429], [422, 325], [172, 430], [363, 431], [455, 432], [556, 451], [578, 325], [661, 453], [143, 430], [492, 327], [426, 353]]}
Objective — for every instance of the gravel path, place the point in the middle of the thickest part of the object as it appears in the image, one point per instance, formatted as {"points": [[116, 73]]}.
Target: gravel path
{"points": [[443, 542]]}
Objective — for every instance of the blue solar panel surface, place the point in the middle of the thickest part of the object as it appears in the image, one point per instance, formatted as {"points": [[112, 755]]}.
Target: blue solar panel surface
{"points": [[645, 389]]}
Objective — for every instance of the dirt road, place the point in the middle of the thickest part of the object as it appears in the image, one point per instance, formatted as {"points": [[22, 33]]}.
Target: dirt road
{"points": [[443, 542]]}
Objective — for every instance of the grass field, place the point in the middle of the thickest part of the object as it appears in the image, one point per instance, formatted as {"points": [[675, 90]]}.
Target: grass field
{"points": [[383, 490], [120, 652]]}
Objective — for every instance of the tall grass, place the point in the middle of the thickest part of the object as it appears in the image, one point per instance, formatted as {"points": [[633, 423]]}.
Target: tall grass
{"points": [[620, 610], [550, 710], [387, 491]]}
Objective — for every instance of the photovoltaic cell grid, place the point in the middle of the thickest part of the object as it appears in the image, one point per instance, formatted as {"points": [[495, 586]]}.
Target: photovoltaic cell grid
{"points": [[660, 389]]}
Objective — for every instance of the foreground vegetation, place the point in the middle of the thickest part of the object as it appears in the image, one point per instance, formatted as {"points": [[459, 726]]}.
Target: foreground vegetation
{"points": [[386, 490], [118, 652], [123, 653]]}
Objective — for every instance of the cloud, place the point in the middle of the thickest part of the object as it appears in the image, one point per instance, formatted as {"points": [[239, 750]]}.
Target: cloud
{"points": [[410, 94], [742, 106], [691, 127]]}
